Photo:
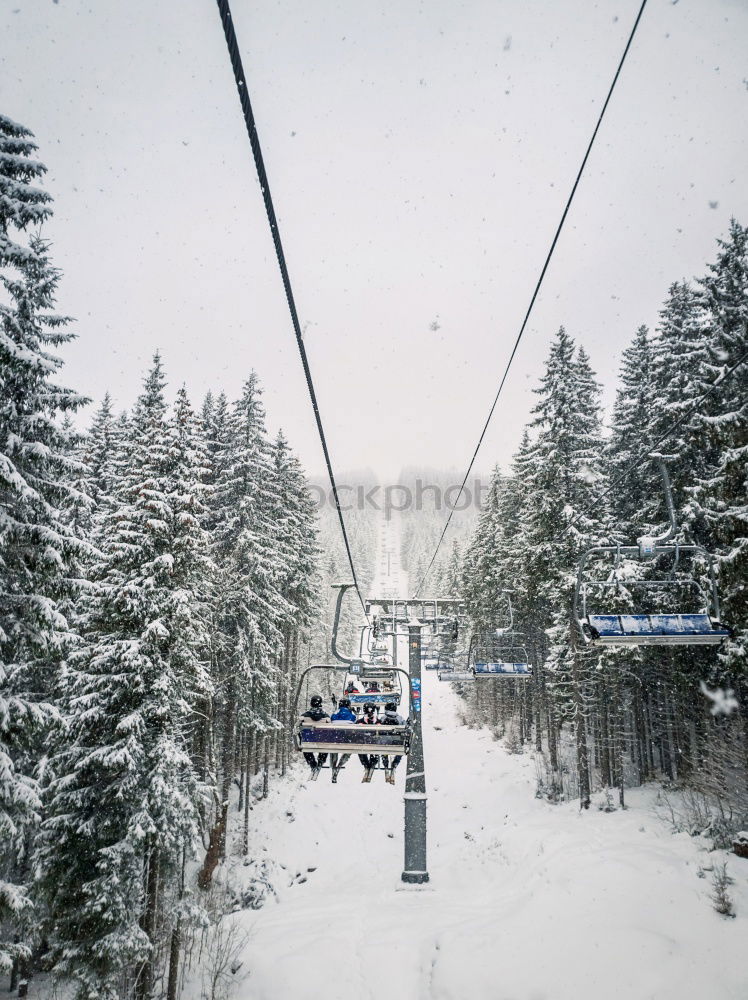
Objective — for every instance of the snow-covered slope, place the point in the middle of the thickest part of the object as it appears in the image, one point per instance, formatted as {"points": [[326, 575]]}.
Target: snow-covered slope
{"points": [[390, 579], [528, 900]]}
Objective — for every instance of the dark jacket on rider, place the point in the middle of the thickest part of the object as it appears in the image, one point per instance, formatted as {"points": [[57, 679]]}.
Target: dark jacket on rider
{"points": [[392, 719], [315, 715]]}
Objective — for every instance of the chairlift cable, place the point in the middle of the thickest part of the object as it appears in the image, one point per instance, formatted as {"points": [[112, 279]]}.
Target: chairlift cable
{"points": [[249, 120], [536, 290]]}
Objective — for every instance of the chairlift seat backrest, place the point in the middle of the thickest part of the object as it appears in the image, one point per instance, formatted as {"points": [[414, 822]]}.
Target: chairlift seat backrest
{"points": [[503, 669], [656, 630], [456, 675], [374, 698], [351, 737], [372, 673]]}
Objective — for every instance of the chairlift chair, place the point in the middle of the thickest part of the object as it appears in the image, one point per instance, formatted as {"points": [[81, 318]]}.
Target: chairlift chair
{"points": [[500, 654], [653, 628], [351, 737]]}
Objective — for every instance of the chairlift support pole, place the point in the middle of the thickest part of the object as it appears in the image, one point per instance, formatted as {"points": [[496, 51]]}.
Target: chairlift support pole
{"points": [[415, 871]]}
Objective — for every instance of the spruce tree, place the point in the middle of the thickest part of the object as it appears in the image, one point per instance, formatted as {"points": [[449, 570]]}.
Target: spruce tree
{"points": [[680, 375], [248, 607], [630, 438], [480, 563], [566, 461], [721, 493], [37, 544], [123, 806]]}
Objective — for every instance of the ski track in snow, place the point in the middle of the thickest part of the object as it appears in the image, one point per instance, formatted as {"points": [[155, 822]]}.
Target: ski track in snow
{"points": [[528, 900]]}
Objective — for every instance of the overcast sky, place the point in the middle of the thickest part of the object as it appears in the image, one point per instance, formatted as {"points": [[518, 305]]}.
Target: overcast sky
{"points": [[419, 155]]}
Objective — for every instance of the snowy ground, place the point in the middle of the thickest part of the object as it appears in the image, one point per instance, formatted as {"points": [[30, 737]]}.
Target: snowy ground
{"points": [[390, 579], [528, 900]]}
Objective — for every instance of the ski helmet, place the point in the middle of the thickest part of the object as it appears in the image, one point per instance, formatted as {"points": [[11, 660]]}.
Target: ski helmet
{"points": [[315, 701], [369, 708], [344, 703], [390, 707]]}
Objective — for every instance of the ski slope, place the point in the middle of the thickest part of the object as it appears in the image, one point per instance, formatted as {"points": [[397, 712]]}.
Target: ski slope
{"points": [[528, 900], [390, 579]]}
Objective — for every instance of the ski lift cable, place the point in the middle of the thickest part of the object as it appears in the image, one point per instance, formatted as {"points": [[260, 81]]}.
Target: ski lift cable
{"points": [[536, 290], [249, 120], [654, 445]]}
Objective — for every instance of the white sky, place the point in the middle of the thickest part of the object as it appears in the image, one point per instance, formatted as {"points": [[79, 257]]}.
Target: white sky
{"points": [[419, 156]]}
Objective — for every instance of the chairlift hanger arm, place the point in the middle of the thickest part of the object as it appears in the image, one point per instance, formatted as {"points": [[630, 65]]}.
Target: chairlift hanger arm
{"points": [[341, 589]]}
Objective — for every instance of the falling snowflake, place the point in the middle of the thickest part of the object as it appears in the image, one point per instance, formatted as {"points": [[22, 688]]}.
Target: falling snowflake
{"points": [[724, 702]]}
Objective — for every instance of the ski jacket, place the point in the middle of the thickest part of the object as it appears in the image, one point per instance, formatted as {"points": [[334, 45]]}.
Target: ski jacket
{"points": [[392, 719], [367, 722], [343, 715], [315, 715]]}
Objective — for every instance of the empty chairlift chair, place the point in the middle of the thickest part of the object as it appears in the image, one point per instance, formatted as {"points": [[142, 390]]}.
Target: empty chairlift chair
{"points": [[652, 628], [499, 654]]}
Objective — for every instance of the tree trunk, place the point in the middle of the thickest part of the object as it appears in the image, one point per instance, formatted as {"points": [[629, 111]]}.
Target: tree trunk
{"points": [[213, 854], [247, 806], [175, 945], [242, 768], [217, 841], [144, 988], [583, 766]]}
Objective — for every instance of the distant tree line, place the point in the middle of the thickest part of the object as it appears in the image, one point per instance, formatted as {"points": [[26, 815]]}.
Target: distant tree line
{"points": [[158, 584], [633, 713]]}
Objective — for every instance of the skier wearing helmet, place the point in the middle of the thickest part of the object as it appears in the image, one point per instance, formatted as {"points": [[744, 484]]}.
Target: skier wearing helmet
{"points": [[344, 713], [315, 713], [368, 718], [391, 718]]}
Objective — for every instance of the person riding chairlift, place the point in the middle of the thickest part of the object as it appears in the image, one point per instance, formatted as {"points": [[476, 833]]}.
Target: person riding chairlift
{"points": [[315, 713], [352, 689], [368, 718], [373, 688], [343, 714], [391, 718]]}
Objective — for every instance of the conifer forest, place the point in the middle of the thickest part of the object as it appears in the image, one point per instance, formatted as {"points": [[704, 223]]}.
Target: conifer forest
{"points": [[168, 566]]}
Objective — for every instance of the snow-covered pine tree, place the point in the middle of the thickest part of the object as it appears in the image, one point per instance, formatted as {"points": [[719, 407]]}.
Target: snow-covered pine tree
{"points": [[480, 581], [294, 519], [22, 203], [566, 477], [249, 607], [123, 806], [100, 449], [722, 490], [37, 545], [679, 377], [188, 498], [630, 439], [452, 579]]}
